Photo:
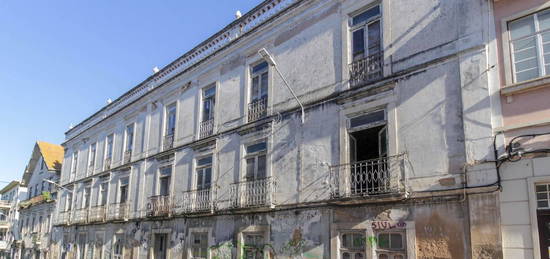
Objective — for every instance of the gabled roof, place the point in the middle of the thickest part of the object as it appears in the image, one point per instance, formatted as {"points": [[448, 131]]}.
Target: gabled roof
{"points": [[9, 187], [52, 155]]}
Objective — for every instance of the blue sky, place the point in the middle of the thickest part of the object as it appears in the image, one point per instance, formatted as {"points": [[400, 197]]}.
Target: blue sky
{"points": [[61, 60]]}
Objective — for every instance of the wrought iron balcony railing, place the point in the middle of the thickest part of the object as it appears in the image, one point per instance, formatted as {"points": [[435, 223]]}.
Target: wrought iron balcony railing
{"points": [[107, 164], [127, 156], [367, 178], [97, 213], [168, 142], [257, 109], [159, 206], [206, 128], [194, 201], [80, 216], [366, 70], [63, 218], [253, 193], [118, 211]]}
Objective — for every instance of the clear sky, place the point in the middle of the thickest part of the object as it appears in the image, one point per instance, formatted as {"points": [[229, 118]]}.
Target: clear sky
{"points": [[61, 60]]}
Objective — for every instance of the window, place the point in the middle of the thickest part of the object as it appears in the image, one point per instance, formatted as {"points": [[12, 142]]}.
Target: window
{"points": [[260, 79], [39, 225], [253, 245], [86, 195], [103, 192], [164, 180], [69, 200], [256, 161], [543, 194], [391, 246], [365, 31], [530, 46], [109, 147], [171, 120], [123, 190], [36, 191], [352, 245], [199, 245], [204, 173], [129, 137], [30, 193], [93, 152], [74, 163], [118, 247], [208, 103]]}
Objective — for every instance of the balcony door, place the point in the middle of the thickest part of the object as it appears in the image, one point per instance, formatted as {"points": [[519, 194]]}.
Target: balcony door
{"points": [[368, 154]]}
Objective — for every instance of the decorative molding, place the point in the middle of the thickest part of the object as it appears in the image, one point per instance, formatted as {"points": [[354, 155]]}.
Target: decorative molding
{"points": [[256, 17]]}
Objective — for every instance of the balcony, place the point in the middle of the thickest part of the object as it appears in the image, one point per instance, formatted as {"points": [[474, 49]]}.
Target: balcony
{"points": [[4, 223], [168, 142], [367, 178], [3, 245], [118, 211], [257, 109], [127, 156], [194, 202], [206, 128], [63, 218], [159, 206], [80, 216], [97, 214], [4, 204], [366, 70], [107, 164], [256, 193]]}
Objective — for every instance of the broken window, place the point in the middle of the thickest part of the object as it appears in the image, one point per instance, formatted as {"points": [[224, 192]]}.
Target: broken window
{"points": [[352, 245], [253, 245], [368, 153]]}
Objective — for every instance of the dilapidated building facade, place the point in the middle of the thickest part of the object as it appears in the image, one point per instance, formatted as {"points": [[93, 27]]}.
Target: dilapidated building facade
{"points": [[390, 156]]}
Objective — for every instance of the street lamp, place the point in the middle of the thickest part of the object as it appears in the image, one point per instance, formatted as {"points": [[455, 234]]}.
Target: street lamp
{"points": [[58, 186], [269, 59]]}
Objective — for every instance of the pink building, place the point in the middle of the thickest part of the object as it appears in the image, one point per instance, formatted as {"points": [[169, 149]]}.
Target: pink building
{"points": [[523, 50]]}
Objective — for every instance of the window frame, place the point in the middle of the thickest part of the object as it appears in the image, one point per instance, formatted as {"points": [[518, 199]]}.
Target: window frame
{"points": [[260, 75], [212, 98], [365, 26], [352, 250], [109, 151], [121, 184], [202, 168], [192, 245], [86, 195], [505, 39], [168, 111], [255, 155], [92, 154], [161, 176], [129, 140]]}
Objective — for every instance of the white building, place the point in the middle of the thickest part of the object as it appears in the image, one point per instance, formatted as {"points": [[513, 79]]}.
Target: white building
{"points": [[210, 157], [38, 207], [11, 195]]}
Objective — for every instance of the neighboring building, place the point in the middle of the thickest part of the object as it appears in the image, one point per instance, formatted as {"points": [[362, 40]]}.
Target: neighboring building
{"points": [[37, 209], [11, 195], [523, 43]]}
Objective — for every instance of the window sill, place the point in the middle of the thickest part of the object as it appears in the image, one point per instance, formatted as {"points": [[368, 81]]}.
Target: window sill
{"points": [[526, 86]]}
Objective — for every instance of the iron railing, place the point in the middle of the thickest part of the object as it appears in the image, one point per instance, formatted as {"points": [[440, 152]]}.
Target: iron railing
{"points": [[97, 213], [118, 211], [194, 201], [159, 206], [127, 156], [63, 218], [253, 193], [257, 109], [107, 164], [5, 204], [366, 70], [365, 178], [168, 142], [206, 128], [80, 216]]}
